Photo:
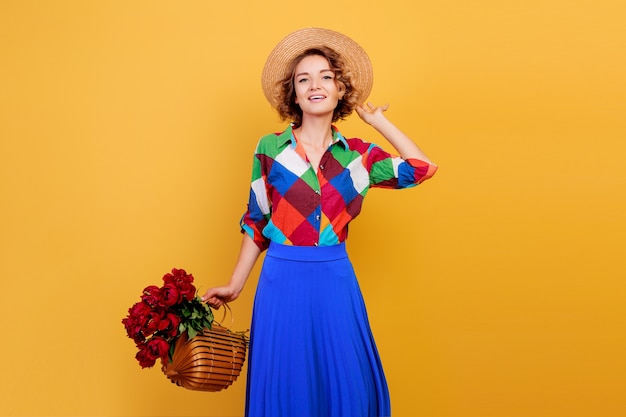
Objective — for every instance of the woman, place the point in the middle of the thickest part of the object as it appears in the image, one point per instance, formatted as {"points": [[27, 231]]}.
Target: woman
{"points": [[312, 352]]}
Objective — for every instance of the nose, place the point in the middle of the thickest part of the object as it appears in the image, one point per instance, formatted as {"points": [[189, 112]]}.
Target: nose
{"points": [[314, 84]]}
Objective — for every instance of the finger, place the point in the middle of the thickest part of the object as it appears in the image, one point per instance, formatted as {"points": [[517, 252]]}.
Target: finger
{"points": [[215, 303], [210, 297], [385, 107]]}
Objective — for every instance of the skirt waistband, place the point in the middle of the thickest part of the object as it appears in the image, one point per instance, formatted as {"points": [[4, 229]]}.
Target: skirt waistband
{"points": [[307, 253]]}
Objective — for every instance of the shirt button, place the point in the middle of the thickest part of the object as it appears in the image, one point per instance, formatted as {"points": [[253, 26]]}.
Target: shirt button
{"points": [[317, 217], [317, 192], [321, 166]]}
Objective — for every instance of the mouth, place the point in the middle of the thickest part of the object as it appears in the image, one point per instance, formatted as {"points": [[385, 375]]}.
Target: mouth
{"points": [[317, 97]]}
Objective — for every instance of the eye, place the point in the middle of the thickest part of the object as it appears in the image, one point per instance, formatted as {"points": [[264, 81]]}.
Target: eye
{"points": [[327, 77], [302, 80]]}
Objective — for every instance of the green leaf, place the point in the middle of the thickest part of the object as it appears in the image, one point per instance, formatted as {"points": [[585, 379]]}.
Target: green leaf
{"points": [[197, 325], [191, 333]]}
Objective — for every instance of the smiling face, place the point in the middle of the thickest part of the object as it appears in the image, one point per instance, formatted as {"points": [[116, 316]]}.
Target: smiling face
{"points": [[315, 87], [287, 101]]}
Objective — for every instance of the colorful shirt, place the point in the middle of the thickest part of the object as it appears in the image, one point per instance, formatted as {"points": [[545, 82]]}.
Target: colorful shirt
{"points": [[292, 204]]}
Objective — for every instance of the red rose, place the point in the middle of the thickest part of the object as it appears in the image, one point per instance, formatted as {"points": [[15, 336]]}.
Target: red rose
{"points": [[133, 329], [188, 291], [182, 281], [169, 325], [178, 275], [157, 347], [143, 357], [153, 319], [170, 295], [139, 309], [136, 319], [151, 295], [129, 325], [172, 277]]}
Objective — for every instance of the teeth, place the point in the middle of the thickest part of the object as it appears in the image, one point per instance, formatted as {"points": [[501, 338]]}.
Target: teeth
{"points": [[315, 97]]}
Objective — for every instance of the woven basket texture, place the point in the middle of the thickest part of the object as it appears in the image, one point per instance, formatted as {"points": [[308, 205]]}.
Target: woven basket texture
{"points": [[210, 361]]}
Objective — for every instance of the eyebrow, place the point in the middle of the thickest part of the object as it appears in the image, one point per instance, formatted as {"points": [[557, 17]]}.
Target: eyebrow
{"points": [[306, 73]]}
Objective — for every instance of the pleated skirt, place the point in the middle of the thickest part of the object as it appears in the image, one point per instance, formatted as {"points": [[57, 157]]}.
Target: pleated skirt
{"points": [[312, 352]]}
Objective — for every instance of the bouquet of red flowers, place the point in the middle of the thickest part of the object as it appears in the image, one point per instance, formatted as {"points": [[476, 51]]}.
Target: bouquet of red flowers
{"points": [[163, 314]]}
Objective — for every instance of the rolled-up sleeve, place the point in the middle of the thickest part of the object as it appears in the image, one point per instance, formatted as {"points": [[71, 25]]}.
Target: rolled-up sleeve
{"points": [[259, 209], [421, 171], [389, 171]]}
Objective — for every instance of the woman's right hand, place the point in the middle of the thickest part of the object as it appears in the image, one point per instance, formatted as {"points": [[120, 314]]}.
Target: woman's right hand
{"points": [[217, 296]]}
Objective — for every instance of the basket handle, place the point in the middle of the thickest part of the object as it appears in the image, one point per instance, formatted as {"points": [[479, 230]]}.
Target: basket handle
{"points": [[232, 317], [243, 334]]}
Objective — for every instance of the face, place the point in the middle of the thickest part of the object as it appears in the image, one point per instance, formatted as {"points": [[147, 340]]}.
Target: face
{"points": [[316, 90]]}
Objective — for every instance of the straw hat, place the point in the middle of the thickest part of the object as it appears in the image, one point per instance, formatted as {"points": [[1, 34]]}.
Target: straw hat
{"points": [[295, 43]]}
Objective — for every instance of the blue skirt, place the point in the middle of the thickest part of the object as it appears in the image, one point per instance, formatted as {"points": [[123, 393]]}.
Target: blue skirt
{"points": [[312, 352]]}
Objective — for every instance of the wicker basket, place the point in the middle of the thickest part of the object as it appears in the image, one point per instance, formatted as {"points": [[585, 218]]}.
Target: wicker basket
{"points": [[211, 361]]}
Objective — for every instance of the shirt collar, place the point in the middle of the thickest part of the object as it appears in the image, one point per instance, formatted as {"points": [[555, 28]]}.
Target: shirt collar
{"points": [[287, 137]]}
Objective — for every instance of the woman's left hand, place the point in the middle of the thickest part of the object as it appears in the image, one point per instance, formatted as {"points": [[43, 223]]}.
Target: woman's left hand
{"points": [[370, 113]]}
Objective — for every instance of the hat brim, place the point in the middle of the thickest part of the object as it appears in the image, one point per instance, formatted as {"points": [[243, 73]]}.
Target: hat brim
{"points": [[294, 44]]}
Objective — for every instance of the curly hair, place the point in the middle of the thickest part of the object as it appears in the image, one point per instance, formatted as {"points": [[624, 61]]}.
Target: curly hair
{"points": [[287, 107]]}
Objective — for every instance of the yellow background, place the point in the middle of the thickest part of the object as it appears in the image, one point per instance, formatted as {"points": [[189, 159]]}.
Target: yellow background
{"points": [[496, 289]]}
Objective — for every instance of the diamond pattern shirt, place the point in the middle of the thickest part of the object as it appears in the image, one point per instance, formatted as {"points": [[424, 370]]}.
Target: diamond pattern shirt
{"points": [[292, 204]]}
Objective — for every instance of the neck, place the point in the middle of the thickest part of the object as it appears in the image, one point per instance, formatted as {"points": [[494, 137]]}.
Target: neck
{"points": [[315, 131]]}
